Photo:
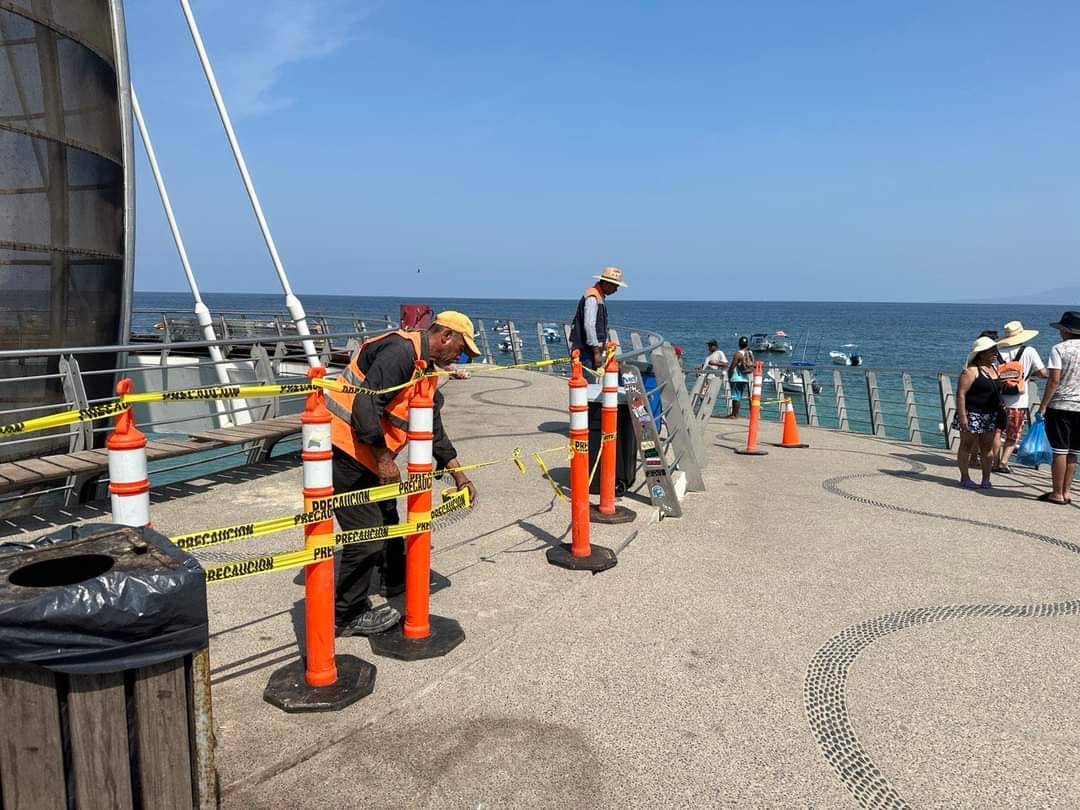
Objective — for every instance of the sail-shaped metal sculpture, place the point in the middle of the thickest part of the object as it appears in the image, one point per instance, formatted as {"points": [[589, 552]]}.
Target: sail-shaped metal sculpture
{"points": [[66, 189]]}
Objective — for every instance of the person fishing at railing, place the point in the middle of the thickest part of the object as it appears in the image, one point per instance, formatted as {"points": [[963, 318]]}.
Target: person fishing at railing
{"points": [[589, 333], [368, 431]]}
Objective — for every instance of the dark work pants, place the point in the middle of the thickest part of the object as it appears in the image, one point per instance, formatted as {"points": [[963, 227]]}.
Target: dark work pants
{"points": [[357, 561]]}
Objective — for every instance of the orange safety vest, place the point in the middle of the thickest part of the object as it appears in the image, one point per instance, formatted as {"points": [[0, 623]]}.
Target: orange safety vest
{"points": [[395, 416]]}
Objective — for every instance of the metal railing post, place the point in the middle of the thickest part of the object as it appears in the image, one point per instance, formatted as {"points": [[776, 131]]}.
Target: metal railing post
{"points": [[613, 336], [515, 343], [841, 403], [911, 409], [873, 398], [544, 353], [635, 341], [948, 410], [484, 345], [809, 404]]}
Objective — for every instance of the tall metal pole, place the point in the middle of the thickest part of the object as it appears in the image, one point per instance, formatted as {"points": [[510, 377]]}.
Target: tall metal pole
{"points": [[202, 313], [292, 303]]}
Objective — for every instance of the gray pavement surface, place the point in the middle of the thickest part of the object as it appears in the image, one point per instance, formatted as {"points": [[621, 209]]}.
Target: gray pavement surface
{"points": [[829, 627]]}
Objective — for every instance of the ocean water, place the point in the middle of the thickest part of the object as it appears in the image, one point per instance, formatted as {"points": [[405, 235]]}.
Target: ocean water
{"points": [[933, 337], [922, 339]]}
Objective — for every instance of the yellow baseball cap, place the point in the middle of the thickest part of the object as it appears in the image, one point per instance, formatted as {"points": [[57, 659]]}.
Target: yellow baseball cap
{"points": [[462, 324]]}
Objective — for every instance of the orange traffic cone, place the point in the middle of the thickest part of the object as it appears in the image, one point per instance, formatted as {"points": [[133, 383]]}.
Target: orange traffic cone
{"points": [[790, 435]]}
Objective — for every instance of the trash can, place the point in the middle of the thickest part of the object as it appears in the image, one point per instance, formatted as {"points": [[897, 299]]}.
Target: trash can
{"points": [[104, 674], [626, 447]]}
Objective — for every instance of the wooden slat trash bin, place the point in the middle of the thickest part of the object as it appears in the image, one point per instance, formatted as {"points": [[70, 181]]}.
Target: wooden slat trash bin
{"points": [[104, 674]]}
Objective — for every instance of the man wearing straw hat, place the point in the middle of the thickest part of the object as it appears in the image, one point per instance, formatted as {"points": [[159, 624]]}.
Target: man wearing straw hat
{"points": [[590, 330], [1019, 363]]}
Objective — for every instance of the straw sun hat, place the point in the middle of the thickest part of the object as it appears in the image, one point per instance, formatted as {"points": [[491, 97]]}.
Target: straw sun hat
{"points": [[978, 347], [613, 275], [1015, 334]]}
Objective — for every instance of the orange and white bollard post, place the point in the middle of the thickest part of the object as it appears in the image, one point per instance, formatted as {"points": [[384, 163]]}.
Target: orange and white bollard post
{"points": [[322, 681], [755, 414], [420, 635], [129, 482], [608, 511], [579, 554]]}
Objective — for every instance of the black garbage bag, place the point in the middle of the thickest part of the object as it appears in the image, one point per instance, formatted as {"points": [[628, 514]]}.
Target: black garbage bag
{"points": [[99, 598]]}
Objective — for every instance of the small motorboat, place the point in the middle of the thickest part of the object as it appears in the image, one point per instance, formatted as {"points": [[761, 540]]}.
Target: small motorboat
{"points": [[759, 342], [508, 345], [780, 343], [551, 333], [791, 380], [846, 356]]}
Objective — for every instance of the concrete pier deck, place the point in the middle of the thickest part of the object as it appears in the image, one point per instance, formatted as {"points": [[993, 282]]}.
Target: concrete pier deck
{"points": [[828, 627]]}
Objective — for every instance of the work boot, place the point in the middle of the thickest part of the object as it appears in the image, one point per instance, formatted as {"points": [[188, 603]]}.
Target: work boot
{"points": [[371, 622]]}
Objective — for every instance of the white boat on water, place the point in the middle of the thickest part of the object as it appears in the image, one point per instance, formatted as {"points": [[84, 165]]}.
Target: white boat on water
{"points": [[845, 356], [759, 342], [780, 343], [790, 380]]}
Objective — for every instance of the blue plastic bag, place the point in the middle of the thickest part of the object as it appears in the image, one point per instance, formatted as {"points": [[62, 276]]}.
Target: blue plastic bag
{"points": [[1035, 448]]}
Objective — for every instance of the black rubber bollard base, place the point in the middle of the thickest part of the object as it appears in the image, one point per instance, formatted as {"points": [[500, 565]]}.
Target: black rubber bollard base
{"points": [[752, 452], [620, 515], [444, 636], [601, 559], [791, 445], [289, 691]]}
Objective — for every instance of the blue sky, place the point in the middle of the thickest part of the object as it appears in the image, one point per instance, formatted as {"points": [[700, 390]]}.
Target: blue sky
{"points": [[837, 151]]}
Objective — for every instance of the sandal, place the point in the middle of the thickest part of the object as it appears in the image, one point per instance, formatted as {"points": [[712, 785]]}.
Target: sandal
{"points": [[986, 484], [1048, 497], [967, 483], [1003, 468]]}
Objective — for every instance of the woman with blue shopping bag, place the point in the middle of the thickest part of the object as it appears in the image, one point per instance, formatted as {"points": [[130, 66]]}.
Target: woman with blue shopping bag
{"points": [[1061, 407]]}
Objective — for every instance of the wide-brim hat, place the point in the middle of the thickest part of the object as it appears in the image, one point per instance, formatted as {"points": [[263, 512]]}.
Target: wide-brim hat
{"points": [[980, 345], [463, 325], [1015, 334], [612, 275], [1070, 322]]}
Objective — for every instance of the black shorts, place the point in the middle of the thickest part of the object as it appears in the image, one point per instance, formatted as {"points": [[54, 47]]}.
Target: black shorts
{"points": [[1063, 430]]}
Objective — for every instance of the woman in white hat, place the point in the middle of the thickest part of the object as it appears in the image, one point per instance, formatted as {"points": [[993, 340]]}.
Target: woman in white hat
{"points": [[978, 404], [1019, 363]]}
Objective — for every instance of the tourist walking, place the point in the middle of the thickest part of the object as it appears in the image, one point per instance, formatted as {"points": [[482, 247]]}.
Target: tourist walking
{"points": [[1061, 407], [1019, 364], [978, 404], [367, 432], [589, 333], [739, 372]]}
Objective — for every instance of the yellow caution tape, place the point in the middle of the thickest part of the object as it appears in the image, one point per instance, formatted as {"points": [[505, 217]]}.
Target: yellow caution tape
{"points": [[454, 501], [547, 474], [579, 446], [102, 411], [222, 392], [322, 509]]}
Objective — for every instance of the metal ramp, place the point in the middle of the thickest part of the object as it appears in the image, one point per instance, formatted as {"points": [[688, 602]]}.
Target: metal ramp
{"points": [[669, 438]]}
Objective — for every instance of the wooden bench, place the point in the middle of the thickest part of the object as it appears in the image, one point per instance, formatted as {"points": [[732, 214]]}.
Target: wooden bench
{"points": [[89, 465]]}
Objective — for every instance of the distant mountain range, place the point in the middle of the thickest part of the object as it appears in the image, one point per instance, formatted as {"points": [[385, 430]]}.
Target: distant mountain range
{"points": [[1065, 297]]}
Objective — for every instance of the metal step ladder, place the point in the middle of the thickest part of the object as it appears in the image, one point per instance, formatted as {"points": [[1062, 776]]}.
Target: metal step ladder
{"points": [[669, 441]]}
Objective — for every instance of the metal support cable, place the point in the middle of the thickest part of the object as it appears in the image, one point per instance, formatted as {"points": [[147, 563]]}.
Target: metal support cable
{"points": [[292, 303]]}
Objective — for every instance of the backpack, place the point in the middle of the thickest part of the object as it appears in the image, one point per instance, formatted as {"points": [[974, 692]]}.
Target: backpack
{"points": [[1012, 375], [746, 361]]}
